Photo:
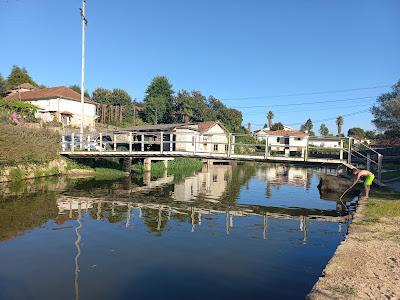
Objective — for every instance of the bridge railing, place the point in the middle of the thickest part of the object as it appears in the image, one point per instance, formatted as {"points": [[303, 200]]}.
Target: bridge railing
{"points": [[194, 143]]}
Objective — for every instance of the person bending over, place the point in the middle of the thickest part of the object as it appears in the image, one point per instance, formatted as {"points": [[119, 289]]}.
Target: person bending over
{"points": [[369, 178]]}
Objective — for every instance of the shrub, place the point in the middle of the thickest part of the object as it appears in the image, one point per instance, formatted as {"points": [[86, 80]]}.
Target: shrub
{"points": [[24, 109], [27, 145], [17, 174]]}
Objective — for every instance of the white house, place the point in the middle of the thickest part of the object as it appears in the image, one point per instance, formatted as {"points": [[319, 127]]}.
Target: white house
{"points": [[326, 141], [262, 133], [207, 137], [60, 104], [286, 141]]}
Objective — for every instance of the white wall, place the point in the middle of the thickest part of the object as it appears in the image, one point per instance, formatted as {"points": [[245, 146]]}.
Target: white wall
{"points": [[326, 144], [74, 107]]}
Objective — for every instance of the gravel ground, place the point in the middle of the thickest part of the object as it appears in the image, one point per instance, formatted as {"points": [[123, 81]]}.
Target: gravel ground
{"points": [[366, 265]]}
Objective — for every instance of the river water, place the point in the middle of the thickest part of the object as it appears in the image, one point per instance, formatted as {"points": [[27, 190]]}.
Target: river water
{"points": [[227, 232]]}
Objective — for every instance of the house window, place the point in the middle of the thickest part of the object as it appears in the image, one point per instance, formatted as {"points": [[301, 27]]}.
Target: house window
{"points": [[215, 147], [226, 148], [278, 140], [215, 178], [65, 119], [204, 141]]}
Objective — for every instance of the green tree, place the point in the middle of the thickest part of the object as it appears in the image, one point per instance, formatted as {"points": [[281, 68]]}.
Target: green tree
{"points": [[202, 111], [120, 97], [370, 134], [230, 117], [18, 76], [154, 109], [323, 130], [3, 86], [77, 89], [160, 91], [270, 116], [184, 107], [308, 125], [277, 126], [387, 111], [102, 95], [356, 132], [339, 123]]}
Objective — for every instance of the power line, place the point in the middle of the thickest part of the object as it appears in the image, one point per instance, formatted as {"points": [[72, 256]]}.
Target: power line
{"points": [[307, 103], [308, 93]]}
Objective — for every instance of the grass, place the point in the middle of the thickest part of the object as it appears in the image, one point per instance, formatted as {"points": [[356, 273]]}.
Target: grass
{"points": [[344, 290], [390, 174], [109, 174], [383, 203]]}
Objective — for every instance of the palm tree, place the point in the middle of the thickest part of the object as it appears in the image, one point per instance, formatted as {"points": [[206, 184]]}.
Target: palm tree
{"points": [[339, 123], [270, 116]]}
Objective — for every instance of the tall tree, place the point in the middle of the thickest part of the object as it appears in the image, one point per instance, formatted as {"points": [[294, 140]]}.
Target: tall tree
{"points": [[232, 118], [3, 86], [102, 95], [160, 89], [356, 132], [270, 116], [77, 89], [18, 76], [155, 109], [277, 126], [387, 111], [339, 123], [323, 130], [184, 107], [201, 111], [120, 97], [308, 125]]}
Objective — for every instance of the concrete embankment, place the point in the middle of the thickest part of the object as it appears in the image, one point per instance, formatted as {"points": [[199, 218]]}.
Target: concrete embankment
{"points": [[367, 264]]}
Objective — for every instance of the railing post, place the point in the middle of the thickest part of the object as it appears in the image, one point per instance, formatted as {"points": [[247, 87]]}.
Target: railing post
{"points": [[349, 152], [233, 144], [368, 161], [307, 149], [341, 149], [171, 144], [161, 142], [101, 142], [195, 144], [81, 142], [72, 142], [88, 142], [115, 142], [142, 143], [130, 142], [63, 143], [229, 145], [266, 148], [379, 167]]}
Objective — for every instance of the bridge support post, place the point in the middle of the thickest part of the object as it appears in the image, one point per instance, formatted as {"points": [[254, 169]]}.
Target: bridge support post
{"points": [[147, 164], [127, 164]]}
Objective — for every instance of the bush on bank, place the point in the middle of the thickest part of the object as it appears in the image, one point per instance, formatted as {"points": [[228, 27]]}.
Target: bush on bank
{"points": [[21, 145]]}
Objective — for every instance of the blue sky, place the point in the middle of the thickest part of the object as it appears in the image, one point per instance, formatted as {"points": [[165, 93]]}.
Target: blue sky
{"points": [[244, 52]]}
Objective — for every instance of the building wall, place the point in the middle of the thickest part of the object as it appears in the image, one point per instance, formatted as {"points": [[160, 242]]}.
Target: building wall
{"points": [[74, 107], [327, 144], [188, 139]]}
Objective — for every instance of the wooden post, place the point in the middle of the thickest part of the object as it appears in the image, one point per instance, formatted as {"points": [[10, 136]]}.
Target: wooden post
{"points": [[142, 143], [266, 148], [233, 145], [349, 153], [307, 149], [368, 161], [379, 167], [130, 142], [72, 142], [194, 140], [161, 142], [115, 142], [101, 142], [229, 145], [171, 144], [63, 143], [341, 149], [88, 141]]}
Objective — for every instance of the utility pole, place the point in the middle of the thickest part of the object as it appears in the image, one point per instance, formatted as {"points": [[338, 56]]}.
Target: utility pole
{"points": [[84, 23]]}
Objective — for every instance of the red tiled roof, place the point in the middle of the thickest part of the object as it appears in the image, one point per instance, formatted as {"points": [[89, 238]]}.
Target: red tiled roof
{"points": [[205, 126], [48, 93], [27, 86], [286, 132]]}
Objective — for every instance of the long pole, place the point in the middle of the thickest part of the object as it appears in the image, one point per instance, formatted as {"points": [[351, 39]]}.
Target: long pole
{"points": [[84, 21]]}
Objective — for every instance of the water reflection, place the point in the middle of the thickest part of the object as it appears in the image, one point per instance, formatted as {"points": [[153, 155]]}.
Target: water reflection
{"points": [[167, 222]]}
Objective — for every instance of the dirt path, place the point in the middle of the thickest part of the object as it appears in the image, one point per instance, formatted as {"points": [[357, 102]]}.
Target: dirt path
{"points": [[366, 265]]}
